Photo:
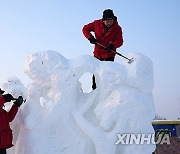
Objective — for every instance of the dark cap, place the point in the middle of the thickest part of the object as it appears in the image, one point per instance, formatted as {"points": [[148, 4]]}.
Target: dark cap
{"points": [[1, 91], [108, 14]]}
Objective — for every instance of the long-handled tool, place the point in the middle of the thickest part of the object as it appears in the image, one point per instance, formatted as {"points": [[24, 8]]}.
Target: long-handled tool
{"points": [[129, 60]]}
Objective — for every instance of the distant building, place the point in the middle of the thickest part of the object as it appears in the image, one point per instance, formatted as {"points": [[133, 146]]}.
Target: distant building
{"points": [[171, 128]]}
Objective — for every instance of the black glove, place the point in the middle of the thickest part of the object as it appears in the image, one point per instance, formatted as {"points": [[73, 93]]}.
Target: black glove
{"points": [[19, 101], [1, 91], [8, 97], [92, 40], [109, 48]]}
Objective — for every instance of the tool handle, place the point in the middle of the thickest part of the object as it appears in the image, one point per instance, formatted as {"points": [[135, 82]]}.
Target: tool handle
{"points": [[112, 50]]}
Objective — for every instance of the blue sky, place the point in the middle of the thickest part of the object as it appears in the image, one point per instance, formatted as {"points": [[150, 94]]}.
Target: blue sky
{"points": [[149, 27]]}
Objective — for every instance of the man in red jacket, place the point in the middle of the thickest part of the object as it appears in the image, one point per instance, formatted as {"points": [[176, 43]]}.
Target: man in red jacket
{"points": [[6, 117], [108, 33]]}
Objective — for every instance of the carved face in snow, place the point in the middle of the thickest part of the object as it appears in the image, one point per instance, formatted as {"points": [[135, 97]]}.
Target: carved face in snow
{"points": [[43, 65], [35, 67]]}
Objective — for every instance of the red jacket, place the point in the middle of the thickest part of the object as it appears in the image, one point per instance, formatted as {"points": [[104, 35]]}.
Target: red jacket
{"points": [[5, 130], [112, 36]]}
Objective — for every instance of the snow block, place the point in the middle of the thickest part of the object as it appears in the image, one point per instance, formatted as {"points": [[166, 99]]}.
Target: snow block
{"points": [[59, 118]]}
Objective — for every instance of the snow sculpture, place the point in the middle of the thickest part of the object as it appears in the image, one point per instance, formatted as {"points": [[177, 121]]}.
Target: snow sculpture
{"points": [[59, 118]]}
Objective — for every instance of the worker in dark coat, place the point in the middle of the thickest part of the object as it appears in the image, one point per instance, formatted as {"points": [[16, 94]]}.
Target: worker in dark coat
{"points": [[108, 33], [5, 118]]}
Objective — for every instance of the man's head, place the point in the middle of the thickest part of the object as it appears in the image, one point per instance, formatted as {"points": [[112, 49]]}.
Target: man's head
{"points": [[108, 17]]}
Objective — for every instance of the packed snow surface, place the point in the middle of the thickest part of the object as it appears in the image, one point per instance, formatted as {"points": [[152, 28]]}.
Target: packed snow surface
{"points": [[58, 117]]}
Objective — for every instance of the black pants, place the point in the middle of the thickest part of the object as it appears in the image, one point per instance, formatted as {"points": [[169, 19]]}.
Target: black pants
{"points": [[106, 59], [93, 78], [2, 151]]}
